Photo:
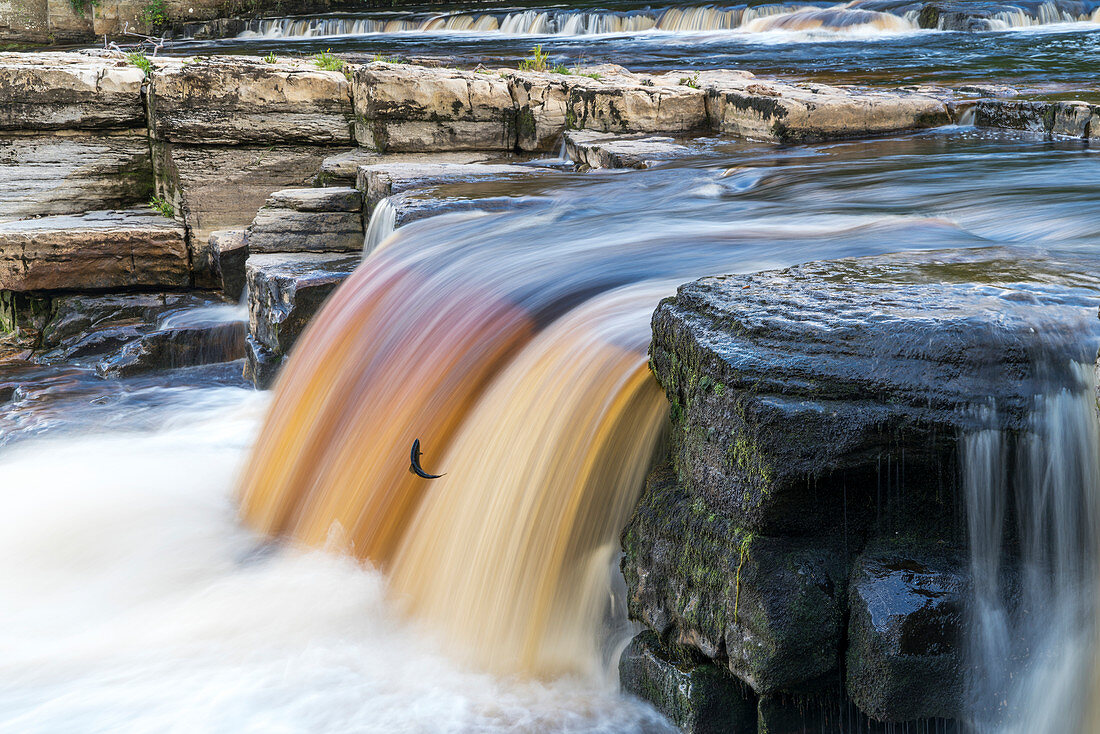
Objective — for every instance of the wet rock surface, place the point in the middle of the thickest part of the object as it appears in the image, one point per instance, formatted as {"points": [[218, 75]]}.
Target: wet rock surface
{"points": [[807, 522], [699, 698], [604, 150], [1062, 119], [227, 251], [284, 292], [904, 659]]}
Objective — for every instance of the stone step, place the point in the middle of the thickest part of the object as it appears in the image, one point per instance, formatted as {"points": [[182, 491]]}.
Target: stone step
{"points": [[607, 150], [309, 220], [94, 251]]}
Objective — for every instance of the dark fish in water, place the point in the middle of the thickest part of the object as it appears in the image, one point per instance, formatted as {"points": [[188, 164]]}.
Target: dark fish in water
{"points": [[415, 466]]}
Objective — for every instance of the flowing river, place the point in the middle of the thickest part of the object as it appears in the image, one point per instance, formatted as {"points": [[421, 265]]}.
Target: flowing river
{"points": [[512, 341]]}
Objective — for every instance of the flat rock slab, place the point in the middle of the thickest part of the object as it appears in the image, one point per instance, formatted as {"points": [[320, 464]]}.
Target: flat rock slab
{"points": [[605, 150], [820, 371], [284, 293], [343, 168], [379, 181], [330, 199], [238, 100], [66, 172], [57, 91], [277, 229], [770, 110], [93, 251]]}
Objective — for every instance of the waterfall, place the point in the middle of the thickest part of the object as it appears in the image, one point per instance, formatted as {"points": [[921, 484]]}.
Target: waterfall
{"points": [[843, 18], [383, 222], [1032, 515]]}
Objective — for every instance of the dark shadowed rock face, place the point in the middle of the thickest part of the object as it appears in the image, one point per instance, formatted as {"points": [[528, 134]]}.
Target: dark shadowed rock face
{"points": [[903, 658], [806, 528], [700, 698]]}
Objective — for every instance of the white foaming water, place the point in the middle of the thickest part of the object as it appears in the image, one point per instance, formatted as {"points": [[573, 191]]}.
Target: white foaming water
{"points": [[1033, 631], [798, 19], [132, 601], [383, 223]]}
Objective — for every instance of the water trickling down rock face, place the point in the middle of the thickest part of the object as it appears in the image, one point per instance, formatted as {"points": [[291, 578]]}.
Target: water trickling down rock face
{"points": [[809, 510]]}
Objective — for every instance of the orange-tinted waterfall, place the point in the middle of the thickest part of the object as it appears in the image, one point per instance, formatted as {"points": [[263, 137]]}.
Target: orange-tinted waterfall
{"points": [[544, 425], [509, 553]]}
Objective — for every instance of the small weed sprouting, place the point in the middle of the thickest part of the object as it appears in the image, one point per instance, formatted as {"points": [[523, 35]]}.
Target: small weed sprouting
{"points": [[141, 61], [561, 69], [81, 6], [271, 58], [690, 81], [154, 14], [536, 61], [163, 206], [389, 59]]}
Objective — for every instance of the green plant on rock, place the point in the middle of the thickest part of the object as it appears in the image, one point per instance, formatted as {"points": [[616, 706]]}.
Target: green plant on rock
{"points": [[536, 61], [690, 81], [388, 59], [163, 206], [327, 61], [593, 75], [141, 61], [82, 6], [154, 14], [561, 69], [271, 58]]}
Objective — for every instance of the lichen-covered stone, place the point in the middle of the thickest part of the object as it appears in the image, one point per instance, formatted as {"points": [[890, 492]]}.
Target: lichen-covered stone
{"points": [[699, 698], [234, 100], [93, 251], [904, 660], [1064, 119]]}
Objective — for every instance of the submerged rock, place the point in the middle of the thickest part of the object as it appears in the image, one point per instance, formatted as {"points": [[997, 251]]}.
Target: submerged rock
{"points": [[184, 346]]}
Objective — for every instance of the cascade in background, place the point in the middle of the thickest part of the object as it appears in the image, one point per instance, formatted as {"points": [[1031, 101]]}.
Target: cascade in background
{"points": [[1035, 497], [860, 16]]}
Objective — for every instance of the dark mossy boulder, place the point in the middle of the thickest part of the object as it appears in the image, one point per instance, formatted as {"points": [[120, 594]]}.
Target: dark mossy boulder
{"points": [[700, 698], [769, 608], [804, 529], [904, 659]]}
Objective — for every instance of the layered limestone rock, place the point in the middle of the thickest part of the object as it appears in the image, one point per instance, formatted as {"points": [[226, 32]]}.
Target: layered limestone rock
{"points": [[68, 172], [771, 110], [93, 251], [384, 180], [405, 108], [309, 220], [812, 478], [604, 150], [69, 91], [342, 169], [189, 345], [284, 292], [232, 100], [222, 187]]}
